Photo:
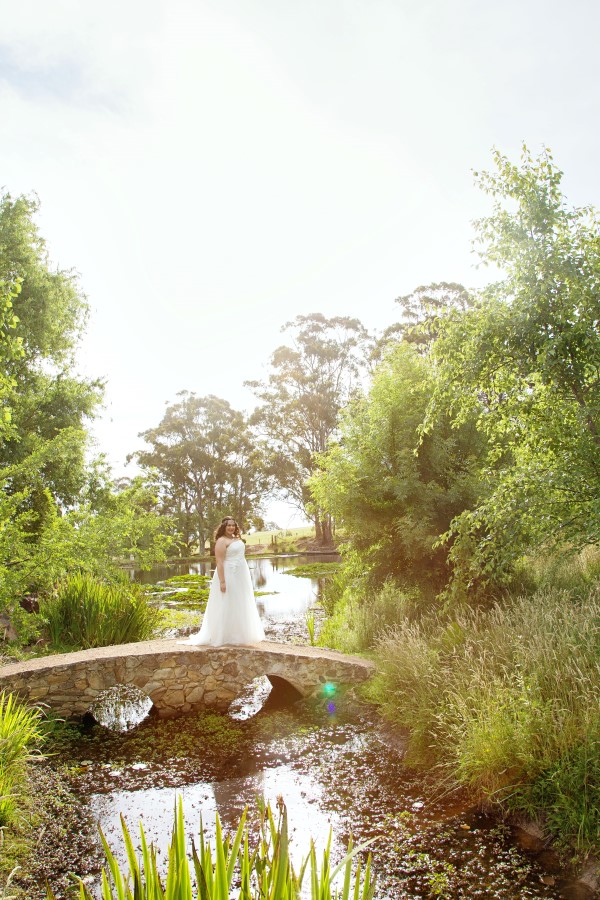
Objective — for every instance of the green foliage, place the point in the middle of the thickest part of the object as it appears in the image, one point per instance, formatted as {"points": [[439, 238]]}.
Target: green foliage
{"points": [[309, 383], [34, 559], [504, 703], [51, 308], [265, 871], [48, 399], [393, 493], [85, 612], [57, 513], [362, 614], [569, 794], [207, 464], [126, 522], [21, 734], [11, 347], [309, 618], [422, 312], [525, 360]]}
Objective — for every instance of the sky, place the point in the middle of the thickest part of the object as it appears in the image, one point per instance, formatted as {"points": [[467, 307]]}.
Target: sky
{"points": [[214, 168]]}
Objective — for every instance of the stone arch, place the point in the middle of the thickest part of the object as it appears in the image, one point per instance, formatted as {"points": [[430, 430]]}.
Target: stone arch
{"points": [[178, 679], [284, 689]]}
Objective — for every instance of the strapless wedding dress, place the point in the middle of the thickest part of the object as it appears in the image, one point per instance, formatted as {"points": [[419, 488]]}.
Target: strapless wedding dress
{"points": [[231, 616]]}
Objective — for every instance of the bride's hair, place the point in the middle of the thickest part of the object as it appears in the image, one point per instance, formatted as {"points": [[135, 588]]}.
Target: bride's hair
{"points": [[221, 529]]}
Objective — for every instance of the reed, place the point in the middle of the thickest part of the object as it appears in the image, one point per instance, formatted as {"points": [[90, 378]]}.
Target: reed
{"points": [[233, 869], [86, 612]]}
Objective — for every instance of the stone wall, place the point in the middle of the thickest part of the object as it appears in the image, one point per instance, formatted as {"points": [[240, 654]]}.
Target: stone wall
{"points": [[178, 678]]}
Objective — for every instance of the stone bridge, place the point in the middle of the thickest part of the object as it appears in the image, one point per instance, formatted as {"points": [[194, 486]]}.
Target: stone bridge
{"points": [[178, 678]]}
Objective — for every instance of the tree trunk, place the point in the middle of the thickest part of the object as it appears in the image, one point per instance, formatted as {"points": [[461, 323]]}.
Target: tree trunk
{"points": [[327, 540], [323, 532], [318, 529]]}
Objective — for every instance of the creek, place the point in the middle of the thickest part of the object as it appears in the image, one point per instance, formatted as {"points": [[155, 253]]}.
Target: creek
{"points": [[333, 762]]}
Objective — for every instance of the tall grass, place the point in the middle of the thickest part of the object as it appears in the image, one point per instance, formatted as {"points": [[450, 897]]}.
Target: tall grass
{"points": [[234, 868], [20, 736], [506, 703], [361, 614], [86, 612]]}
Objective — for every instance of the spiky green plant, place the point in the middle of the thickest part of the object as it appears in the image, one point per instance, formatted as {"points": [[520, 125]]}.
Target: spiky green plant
{"points": [[20, 734], [86, 612], [263, 873]]}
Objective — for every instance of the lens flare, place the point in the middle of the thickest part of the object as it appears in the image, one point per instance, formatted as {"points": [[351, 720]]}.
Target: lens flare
{"points": [[329, 689]]}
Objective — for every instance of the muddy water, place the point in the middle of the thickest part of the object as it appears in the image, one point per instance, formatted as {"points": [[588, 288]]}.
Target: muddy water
{"points": [[336, 768]]}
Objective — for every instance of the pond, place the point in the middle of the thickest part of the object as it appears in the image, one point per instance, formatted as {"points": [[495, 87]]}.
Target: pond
{"points": [[335, 765], [282, 599]]}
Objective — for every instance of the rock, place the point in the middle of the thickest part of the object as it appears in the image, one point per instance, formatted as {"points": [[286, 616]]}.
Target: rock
{"points": [[30, 603], [8, 628]]}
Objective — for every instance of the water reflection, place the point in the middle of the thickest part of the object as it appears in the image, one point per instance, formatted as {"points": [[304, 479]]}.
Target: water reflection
{"points": [[251, 700], [121, 707], [228, 797]]}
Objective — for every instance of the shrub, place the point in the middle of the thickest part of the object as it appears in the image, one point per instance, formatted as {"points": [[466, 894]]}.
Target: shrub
{"points": [[86, 612]]}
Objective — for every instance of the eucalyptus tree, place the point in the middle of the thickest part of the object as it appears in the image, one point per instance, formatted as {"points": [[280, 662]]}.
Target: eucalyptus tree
{"points": [[525, 359], [311, 379], [422, 312], [208, 464]]}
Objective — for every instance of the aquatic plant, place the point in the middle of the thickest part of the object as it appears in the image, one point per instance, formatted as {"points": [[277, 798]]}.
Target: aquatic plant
{"points": [[264, 871], [87, 612], [315, 570]]}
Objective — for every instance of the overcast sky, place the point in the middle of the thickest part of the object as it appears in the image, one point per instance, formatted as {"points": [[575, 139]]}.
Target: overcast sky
{"points": [[213, 169]]}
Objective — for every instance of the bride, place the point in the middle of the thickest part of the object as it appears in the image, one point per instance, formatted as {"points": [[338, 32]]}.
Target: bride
{"points": [[231, 615]]}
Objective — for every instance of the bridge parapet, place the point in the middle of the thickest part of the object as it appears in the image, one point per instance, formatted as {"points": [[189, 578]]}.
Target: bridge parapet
{"points": [[178, 678]]}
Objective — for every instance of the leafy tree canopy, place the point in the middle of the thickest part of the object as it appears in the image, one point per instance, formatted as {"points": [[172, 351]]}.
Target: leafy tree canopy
{"points": [[394, 493], [48, 399], [208, 464], [422, 311], [525, 359]]}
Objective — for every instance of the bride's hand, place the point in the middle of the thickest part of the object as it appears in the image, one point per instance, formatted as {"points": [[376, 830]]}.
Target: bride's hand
{"points": [[223, 587]]}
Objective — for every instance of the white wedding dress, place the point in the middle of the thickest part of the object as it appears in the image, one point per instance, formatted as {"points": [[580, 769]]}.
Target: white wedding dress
{"points": [[231, 616]]}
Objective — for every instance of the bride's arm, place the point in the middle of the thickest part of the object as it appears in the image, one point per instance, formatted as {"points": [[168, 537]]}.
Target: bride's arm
{"points": [[220, 548]]}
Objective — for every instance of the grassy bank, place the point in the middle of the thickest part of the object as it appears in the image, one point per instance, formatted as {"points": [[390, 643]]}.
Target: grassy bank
{"points": [[502, 702], [283, 540]]}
